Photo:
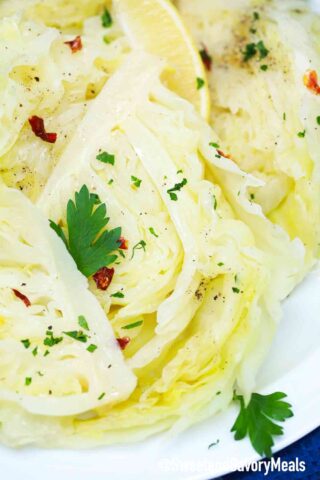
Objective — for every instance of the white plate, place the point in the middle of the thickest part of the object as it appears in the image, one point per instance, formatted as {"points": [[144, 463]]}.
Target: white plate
{"points": [[292, 366]]}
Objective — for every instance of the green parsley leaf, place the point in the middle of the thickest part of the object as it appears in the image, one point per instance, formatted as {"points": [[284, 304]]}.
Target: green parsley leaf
{"points": [[118, 295], [106, 19], [90, 250], [26, 343], [152, 231], [133, 325], [200, 83], [50, 340], [255, 420], [302, 134], [264, 68], [106, 157], [235, 290], [140, 246], [136, 181], [83, 322], [46, 353], [220, 264], [35, 351], [256, 16], [92, 348], [110, 181], [28, 381], [77, 335], [214, 145], [101, 396], [284, 116], [177, 187], [318, 120]]}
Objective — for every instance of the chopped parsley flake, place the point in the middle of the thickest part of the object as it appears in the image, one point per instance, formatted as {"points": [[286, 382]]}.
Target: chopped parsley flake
{"points": [[26, 343], [106, 19], [83, 322], [46, 353], [50, 340], [256, 16], [302, 134], [140, 246], [235, 290], [214, 145], [133, 325], [264, 68], [252, 196], [110, 181], [101, 396], [152, 231], [106, 157], [97, 198], [200, 83], [136, 181], [117, 295], [284, 116], [318, 120], [177, 187], [92, 348], [220, 264], [253, 48], [215, 202], [77, 335], [28, 381], [35, 351]]}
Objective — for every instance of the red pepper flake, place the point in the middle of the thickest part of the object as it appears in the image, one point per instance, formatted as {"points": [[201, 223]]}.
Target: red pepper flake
{"points": [[123, 342], [75, 44], [206, 58], [22, 297], [103, 277], [124, 244], [310, 80], [38, 128], [225, 155]]}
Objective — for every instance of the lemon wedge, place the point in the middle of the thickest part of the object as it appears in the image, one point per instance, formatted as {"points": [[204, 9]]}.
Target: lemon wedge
{"points": [[156, 27]]}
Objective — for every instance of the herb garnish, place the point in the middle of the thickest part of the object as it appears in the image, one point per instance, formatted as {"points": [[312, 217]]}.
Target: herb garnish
{"points": [[255, 420], [136, 181], [92, 348], [26, 343], [83, 322], [253, 48], [101, 396], [177, 187], [152, 231], [140, 246], [77, 335], [35, 351], [28, 381], [302, 134], [133, 325], [214, 145], [117, 295], [50, 340], [106, 18], [90, 250], [106, 157], [200, 83]]}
